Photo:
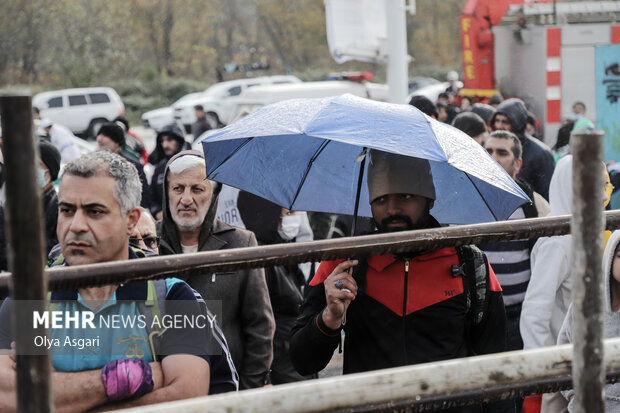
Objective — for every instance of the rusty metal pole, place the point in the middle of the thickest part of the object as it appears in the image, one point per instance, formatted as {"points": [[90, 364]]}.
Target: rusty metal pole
{"points": [[26, 250], [587, 274]]}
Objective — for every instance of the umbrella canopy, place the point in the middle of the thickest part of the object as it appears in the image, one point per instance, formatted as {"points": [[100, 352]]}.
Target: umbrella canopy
{"points": [[304, 154]]}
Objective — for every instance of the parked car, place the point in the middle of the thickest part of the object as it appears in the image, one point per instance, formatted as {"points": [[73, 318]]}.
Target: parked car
{"points": [[260, 96], [158, 118], [418, 82], [431, 91], [82, 110], [218, 100]]}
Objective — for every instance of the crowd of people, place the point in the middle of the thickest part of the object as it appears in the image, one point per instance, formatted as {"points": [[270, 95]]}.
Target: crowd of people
{"points": [[284, 323]]}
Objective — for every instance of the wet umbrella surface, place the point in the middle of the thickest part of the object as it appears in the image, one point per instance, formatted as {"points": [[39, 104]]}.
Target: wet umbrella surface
{"points": [[306, 155]]}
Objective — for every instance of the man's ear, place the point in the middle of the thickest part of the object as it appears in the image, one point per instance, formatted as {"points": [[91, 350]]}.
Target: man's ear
{"points": [[518, 165], [431, 204], [133, 216]]}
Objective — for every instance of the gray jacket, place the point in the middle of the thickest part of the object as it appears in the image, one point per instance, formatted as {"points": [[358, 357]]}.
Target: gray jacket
{"points": [[240, 299]]}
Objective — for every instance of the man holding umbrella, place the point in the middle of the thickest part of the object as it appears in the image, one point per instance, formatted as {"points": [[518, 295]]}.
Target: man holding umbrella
{"points": [[401, 309]]}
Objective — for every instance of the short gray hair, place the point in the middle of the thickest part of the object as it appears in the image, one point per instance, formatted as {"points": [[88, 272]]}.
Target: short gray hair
{"points": [[128, 190], [147, 213], [185, 162]]}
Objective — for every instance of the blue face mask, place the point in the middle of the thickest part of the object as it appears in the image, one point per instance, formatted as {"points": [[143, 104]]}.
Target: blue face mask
{"points": [[42, 179]]}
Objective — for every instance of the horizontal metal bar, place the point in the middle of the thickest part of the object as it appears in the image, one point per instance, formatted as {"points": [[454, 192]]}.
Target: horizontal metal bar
{"points": [[186, 265], [420, 387]]}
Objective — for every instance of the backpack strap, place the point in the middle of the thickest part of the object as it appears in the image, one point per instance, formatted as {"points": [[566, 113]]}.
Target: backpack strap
{"points": [[476, 281], [50, 305], [59, 261], [154, 307], [224, 376]]}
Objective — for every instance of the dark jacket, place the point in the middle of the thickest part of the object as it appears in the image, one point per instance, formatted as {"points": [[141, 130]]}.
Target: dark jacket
{"points": [[156, 187], [538, 163], [410, 311], [146, 195], [242, 296], [529, 210], [200, 126], [50, 219], [285, 282]]}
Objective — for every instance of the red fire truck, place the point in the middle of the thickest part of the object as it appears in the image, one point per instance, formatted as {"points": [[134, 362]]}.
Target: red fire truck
{"points": [[541, 51]]}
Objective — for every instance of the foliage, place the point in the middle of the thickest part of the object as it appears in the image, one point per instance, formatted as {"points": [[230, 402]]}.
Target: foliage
{"points": [[155, 51], [434, 37]]}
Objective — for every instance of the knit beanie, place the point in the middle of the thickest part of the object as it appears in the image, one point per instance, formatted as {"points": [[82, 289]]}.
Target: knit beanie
{"points": [[114, 132], [389, 173]]}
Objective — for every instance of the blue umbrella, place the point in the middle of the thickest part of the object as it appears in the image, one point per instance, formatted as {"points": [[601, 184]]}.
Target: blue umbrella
{"points": [[307, 155]]}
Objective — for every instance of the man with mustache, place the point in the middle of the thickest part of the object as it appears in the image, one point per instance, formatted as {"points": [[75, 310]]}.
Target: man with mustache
{"points": [[188, 226], [99, 197], [403, 309]]}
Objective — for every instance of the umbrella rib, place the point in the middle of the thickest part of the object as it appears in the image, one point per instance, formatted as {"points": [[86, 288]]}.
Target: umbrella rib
{"points": [[232, 153], [303, 180], [483, 199]]}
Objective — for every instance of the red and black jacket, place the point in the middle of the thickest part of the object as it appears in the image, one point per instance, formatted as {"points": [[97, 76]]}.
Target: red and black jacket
{"points": [[412, 311]]}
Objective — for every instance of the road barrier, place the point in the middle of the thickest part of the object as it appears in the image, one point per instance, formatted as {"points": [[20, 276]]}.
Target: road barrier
{"points": [[452, 382], [185, 265], [414, 388]]}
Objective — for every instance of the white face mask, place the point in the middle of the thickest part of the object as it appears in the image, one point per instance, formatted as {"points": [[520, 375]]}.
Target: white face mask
{"points": [[42, 178], [290, 227]]}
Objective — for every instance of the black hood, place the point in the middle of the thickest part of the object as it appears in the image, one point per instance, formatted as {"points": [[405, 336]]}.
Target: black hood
{"points": [[168, 230], [516, 111], [260, 216], [175, 132]]}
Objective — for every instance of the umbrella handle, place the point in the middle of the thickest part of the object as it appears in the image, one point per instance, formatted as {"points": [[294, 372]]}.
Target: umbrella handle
{"points": [[344, 316], [360, 178]]}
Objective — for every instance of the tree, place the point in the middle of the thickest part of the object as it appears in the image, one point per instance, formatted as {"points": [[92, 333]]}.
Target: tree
{"points": [[434, 34]]}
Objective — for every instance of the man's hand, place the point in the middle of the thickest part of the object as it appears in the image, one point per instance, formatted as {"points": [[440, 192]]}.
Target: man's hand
{"points": [[184, 376], [8, 397], [338, 299]]}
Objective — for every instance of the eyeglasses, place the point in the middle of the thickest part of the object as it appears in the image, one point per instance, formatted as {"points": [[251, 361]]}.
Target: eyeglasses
{"points": [[150, 242]]}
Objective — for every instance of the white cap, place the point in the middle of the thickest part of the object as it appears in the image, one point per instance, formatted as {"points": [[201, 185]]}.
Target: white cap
{"points": [[46, 123], [452, 75]]}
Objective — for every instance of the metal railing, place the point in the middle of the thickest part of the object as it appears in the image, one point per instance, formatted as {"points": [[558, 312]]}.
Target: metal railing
{"points": [[418, 388], [186, 265], [449, 382]]}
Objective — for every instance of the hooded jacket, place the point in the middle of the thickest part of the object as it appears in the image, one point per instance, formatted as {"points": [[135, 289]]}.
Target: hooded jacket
{"points": [[538, 162], [159, 158], [239, 299], [408, 310], [549, 291], [611, 326]]}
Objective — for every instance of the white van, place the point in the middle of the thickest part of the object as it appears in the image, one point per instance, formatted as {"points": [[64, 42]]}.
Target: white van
{"points": [[260, 96], [82, 110], [219, 99]]}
